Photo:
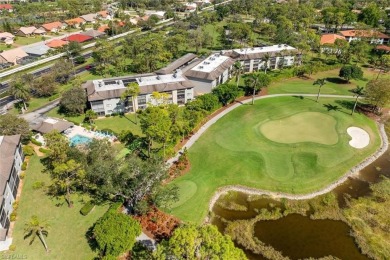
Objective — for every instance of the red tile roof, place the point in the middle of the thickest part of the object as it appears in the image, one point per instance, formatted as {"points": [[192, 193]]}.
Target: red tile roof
{"points": [[73, 21], [103, 28], [330, 38], [383, 48], [78, 38], [364, 34], [56, 43], [6, 6], [51, 26]]}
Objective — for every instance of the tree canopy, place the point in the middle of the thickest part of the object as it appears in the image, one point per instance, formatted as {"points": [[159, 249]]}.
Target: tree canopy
{"points": [[349, 72], [378, 92], [73, 101], [14, 125]]}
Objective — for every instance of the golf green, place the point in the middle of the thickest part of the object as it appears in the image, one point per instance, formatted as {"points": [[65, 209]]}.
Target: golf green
{"points": [[284, 144]]}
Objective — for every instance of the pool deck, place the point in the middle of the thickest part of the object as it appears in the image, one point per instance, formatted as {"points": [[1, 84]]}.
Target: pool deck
{"points": [[78, 130]]}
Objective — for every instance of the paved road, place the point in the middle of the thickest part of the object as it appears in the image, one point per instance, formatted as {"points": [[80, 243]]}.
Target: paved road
{"points": [[32, 116], [209, 123]]}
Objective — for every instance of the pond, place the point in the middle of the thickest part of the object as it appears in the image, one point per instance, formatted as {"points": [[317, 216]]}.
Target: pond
{"points": [[299, 236]]}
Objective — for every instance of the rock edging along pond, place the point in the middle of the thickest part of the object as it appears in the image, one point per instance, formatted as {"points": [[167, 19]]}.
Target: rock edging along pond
{"points": [[353, 171]]}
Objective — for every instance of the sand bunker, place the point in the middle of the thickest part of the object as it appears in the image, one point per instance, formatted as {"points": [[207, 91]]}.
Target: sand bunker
{"points": [[360, 138]]}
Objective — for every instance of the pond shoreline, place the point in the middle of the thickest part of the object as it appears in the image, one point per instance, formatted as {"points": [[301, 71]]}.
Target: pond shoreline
{"points": [[354, 171]]}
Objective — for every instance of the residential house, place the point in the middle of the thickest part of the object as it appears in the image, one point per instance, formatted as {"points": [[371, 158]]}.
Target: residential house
{"points": [[36, 50], [30, 31], [7, 38], [13, 56], [94, 33], [253, 59], [56, 43], [159, 14], [209, 73], [103, 28], [327, 41], [180, 63], [104, 96], [53, 27], [80, 38], [50, 124], [6, 7], [75, 22], [89, 18], [371, 36], [103, 15], [383, 48], [11, 160]]}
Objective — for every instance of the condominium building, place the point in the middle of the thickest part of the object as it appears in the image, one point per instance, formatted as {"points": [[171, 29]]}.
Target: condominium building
{"points": [[270, 57], [11, 160], [209, 73], [106, 96]]}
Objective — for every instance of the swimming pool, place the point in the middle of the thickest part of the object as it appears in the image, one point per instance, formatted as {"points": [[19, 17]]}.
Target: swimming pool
{"points": [[79, 139]]}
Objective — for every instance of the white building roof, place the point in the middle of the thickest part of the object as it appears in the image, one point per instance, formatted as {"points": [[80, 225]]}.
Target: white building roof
{"points": [[273, 48], [160, 79], [101, 85], [211, 63]]}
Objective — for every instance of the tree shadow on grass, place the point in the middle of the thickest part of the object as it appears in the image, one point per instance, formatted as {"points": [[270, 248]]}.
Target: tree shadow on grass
{"points": [[336, 80], [298, 97], [124, 116], [331, 107], [348, 104], [91, 240]]}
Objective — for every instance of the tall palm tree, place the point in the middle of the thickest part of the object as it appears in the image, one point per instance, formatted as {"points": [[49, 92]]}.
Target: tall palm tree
{"points": [[257, 82], [237, 70], [36, 228], [319, 82], [266, 59], [358, 91], [132, 90], [21, 91]]}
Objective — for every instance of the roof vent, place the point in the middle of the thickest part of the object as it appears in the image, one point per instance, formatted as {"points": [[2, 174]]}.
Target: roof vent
{"points": [[174, 75], [252, 49], [200, 67], [158, 77], [241, 49], [140, 79], [279, 46]]}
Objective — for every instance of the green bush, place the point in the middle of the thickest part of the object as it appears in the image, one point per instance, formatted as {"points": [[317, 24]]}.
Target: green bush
{"points": [[24, 166], [34, 141], [12, 247], [15, 205], [13, 216], [109, 131], [22, 175], [38, 185], [87, 208], [43, 150], [28, 150]]}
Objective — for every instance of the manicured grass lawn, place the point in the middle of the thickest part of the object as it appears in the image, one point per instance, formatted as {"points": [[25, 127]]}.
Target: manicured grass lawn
{"points": [[235, 151], [334, 85], [27, 40], [67, 231]]}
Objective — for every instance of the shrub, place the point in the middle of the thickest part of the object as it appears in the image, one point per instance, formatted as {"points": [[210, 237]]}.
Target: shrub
{"points": [[28, 150], [22, 175], [13, 216], [36, 142], [24, 166], [43, 150], [38, 185], [109, 131], [87, 208], [15, 205], [12, 247]]}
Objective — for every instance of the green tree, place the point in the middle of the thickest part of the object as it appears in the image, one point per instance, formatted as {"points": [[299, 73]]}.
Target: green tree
{"points": [[320, 83], [115, 233], [378, 93], [237, 71], [36, 228], [21, 91], [191, 242], [371, 15], [155, 125], [226, 93], [132, 90], [199, 38], [45, 86], [358, 92], [349, 72], [66, 176], [58, 145], [257, 82], [13, 125], [90, 116], [266, 58], [73, 101]]}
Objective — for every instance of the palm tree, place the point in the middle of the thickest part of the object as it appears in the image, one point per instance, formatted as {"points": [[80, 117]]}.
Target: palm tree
{"points": [[132, 90], [257, 82], [358, 91], [237, 71], [266, 59], [319, 82], [35, 227], [21, 91]]}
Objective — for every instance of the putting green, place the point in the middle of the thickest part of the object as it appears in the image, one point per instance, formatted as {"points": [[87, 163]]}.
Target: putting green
{"points": [[236, 151], [303, 127]]}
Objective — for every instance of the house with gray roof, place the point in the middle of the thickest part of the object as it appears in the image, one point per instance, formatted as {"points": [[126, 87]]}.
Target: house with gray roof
{"points": [[11, 160], [89, 18], [105, 95], [208, 73], [36, 50], [51, 124], [94, 33], [180, 63]]}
